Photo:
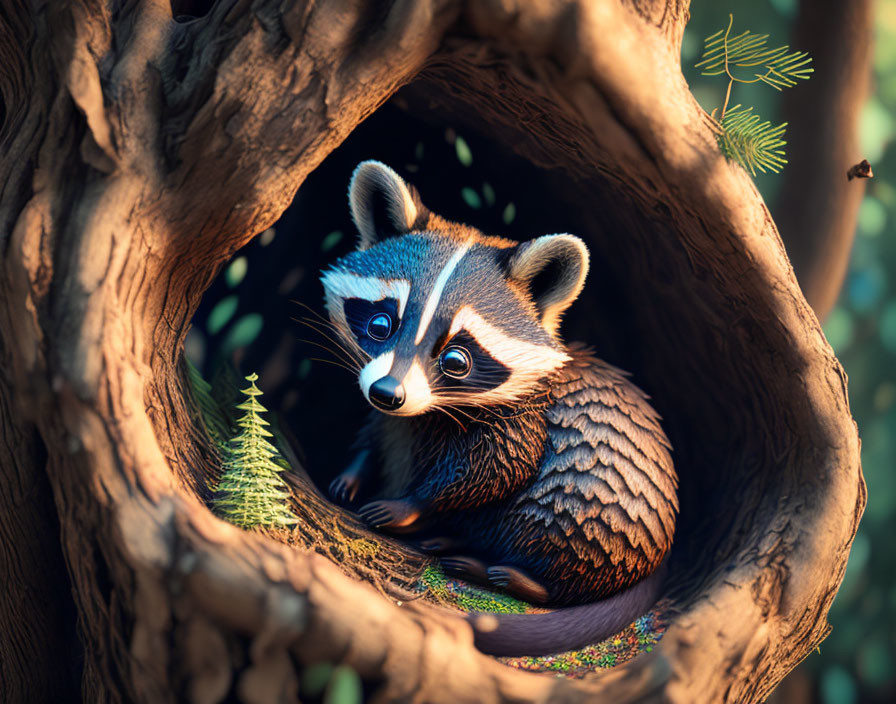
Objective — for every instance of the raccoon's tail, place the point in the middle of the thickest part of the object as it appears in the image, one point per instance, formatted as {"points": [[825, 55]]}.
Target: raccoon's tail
{"points": [[568, 628]]}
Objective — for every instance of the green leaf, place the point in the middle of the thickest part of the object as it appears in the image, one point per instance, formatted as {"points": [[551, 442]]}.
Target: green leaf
{"points": [[464, 155], [344, 687], [266, 237], [779, 67], [236, 272], [315, 679], [243, 332], [331, 240], [752, 143], [221, 314], [509, 213], [471, 198]]}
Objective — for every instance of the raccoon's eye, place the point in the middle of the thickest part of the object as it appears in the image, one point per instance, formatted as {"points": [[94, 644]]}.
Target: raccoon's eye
{"points": [[455, 362], [379, 327]]}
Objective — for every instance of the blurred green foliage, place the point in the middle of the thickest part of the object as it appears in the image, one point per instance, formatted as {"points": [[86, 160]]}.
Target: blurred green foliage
{"points": [[314, 679], [344, 687], [857, 663], [330, 684], [236, 271]]}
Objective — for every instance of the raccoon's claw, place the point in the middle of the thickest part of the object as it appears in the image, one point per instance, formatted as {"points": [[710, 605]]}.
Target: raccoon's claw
{"points": [[465, 568], [344, 488], [389, 514], [439, 544], [517, 583]]}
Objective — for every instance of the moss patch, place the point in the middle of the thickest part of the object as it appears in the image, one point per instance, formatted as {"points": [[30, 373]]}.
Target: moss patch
{"points": [[639, 637]]}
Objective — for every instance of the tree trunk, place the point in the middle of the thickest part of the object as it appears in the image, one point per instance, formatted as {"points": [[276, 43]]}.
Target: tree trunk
{"points": [[817, 210], [141, 147]]}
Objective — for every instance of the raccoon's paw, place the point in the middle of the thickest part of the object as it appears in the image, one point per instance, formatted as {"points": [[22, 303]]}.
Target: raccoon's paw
{"points": [[440, 544], [468, 568], [517, 583], [344, 488], [390, 514]]}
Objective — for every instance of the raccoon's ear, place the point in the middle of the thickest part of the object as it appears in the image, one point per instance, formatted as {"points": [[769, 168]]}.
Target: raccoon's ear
{"points": [[382, 204], [552, 269]]}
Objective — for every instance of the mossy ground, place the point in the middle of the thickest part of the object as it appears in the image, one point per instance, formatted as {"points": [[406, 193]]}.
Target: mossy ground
{"points": [[638, 637]]}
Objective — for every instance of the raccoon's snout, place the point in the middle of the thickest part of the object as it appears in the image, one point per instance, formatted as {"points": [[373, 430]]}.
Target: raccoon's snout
{"points": [[387, 393]]}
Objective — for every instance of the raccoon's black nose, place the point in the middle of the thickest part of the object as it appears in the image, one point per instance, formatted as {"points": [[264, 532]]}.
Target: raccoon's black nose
{"points": [[386, 393]]}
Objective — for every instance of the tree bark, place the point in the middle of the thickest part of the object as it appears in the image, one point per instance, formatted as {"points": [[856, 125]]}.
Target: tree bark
{"points": [[140, 151], [37, 616]]}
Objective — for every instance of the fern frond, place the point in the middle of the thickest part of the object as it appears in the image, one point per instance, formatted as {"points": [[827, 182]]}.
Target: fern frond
{"points": [[209, 411], [752, 143], [779, 67], [225, 383]]}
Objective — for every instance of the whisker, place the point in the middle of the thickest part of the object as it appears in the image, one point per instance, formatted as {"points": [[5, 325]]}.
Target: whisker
{"points": [[445, 411], [330, 361], [349, 363], [338, 340], [338, 352], [310, 310], [326, 324], [316, 327], [460, 411], [457, 402], [319, 326]]}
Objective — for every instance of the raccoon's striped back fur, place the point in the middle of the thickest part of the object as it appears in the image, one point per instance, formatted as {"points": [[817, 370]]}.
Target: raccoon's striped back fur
{"points": [[524, 463]]}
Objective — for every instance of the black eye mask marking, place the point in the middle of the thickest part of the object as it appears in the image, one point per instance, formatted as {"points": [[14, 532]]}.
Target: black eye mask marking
{"points": [[487, 372], [358, 313]]}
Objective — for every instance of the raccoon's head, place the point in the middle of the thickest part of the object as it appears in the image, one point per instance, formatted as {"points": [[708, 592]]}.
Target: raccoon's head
{"points": [[438, 314]]}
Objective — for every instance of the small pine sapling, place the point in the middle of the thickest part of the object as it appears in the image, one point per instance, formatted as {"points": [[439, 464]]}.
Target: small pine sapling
{"points": [[742, 135], [251, 492]]}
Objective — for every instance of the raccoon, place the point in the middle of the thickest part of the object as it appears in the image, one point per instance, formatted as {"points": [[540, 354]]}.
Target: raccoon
{"points": [[524, 463]]}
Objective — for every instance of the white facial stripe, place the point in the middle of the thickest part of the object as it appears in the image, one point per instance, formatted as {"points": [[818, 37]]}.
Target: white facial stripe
{"points": [[436, 295], [512, 352], [417, 393], [342, 284], [375, 369]]}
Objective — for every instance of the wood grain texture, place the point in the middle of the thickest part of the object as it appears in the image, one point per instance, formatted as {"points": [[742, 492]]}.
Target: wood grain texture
{"points": [[137, 153], [37, 616]]}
